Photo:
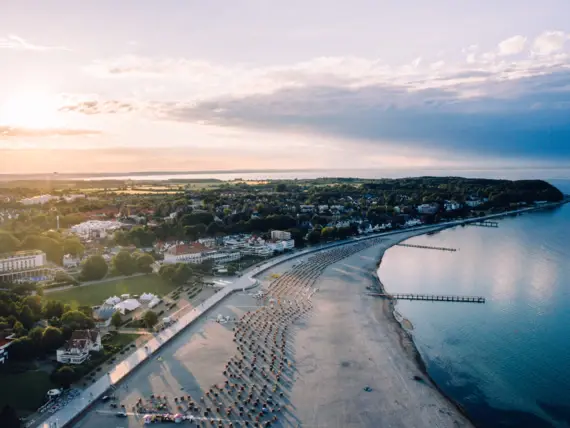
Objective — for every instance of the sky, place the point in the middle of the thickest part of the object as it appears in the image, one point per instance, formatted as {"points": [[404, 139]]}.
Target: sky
{"points": [[188, 85]]}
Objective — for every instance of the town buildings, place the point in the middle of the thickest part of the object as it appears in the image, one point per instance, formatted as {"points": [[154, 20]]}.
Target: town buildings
{"points": [[428, 208], [280, 235], [95, 229], [197, 253], [24, 266], [38, 200], [76, 350]]}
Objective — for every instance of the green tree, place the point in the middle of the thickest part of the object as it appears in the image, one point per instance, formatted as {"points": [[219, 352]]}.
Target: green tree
{"points": [[144, 262], [26, 317], [116, 320], [314, 237], [73, 246], [36, 334], [22, 349], [94, 268], [19, 329], [150, 319], [77, 320], [50, 246], [9, 417], [52, 338], [35, 304], [52, 309], [182, 274], [329, 233], [167, 271], [123, 263], [8, 242], [64, 376]]}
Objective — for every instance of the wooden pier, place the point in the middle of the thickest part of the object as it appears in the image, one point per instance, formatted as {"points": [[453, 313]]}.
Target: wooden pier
{"points": [[486, 223], [427, 247], [431, 297]]}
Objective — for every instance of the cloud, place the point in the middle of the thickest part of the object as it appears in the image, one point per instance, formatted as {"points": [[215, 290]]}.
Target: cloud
{"points": [[17, 43], [549, 42], [496, 118], [93, 106], [486, 107], [512, 45], [14, 132]]}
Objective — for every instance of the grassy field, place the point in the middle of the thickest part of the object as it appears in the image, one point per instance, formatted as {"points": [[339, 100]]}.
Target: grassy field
{"points": [[24, 391], [95, 294], [122, 339]]}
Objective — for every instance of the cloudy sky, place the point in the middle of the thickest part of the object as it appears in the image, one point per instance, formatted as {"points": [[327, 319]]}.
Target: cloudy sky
{"points": [[144, 85]]}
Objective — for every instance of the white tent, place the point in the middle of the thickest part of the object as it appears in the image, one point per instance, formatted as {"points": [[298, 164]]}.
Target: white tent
{"points": [[147, 297], [127, 305], [112, 300], [125, 296], [155, 301]]}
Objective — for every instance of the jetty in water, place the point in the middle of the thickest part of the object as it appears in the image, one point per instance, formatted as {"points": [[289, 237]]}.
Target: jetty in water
{"points": [[431, 297], [427, 247]]}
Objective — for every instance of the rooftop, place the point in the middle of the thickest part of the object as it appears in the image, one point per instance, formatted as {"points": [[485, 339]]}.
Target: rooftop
{"points": [[20, 254], [180, 249]]}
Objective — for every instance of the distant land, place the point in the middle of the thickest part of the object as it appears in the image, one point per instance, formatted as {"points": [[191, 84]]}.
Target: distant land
{"points": [[326, 172]]}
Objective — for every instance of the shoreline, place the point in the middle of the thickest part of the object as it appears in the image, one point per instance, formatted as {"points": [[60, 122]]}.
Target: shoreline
{"points": [[406, 340]]}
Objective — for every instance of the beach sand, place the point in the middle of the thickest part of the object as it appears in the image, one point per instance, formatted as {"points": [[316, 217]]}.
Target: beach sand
{"points": [[349, 341]]}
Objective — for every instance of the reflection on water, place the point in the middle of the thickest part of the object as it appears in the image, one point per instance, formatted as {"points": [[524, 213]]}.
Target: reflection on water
{"points": [[504, 361]]}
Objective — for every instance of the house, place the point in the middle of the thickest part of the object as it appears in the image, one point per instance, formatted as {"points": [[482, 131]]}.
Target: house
{"points": [[70, 262], [4, 345], [280, 234], [452, 206], [428, 208], [76, 350]]}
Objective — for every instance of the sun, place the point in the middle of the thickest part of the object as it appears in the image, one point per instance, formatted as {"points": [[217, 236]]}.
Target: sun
{"points": [[30, 111]]}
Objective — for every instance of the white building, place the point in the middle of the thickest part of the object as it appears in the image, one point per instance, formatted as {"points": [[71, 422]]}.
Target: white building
{"points": [[24, 266], [95, 228], [76, 350], [428, 208], [306, 208], [451, 205], [280, 235], [38, 200], [4, 345], [412, 222], [197, 253], [71, 198], [207, 242], [280, 246], [69, 261]]}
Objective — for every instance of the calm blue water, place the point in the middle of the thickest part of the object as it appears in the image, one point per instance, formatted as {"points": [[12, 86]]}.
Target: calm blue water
{"points": [[507, 362]]}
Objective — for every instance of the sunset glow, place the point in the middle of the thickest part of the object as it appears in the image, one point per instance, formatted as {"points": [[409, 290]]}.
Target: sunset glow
{"points": [[30, 111]]}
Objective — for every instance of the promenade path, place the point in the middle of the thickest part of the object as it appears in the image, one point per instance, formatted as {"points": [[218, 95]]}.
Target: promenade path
{"points": [[76, 407]]}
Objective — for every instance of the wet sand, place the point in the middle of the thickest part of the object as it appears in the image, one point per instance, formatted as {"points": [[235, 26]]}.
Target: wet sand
{"points": [[348, 341]]}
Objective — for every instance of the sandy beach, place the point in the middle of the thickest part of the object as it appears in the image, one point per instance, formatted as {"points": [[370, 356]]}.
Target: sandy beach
{"points": [[348, 341]]}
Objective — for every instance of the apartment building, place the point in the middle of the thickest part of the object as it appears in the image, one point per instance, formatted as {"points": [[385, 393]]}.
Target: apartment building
{"points": [[24, 266]]}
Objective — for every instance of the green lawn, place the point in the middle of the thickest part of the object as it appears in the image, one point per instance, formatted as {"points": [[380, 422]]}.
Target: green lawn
{"points": [[95, 294], [24, 391], [121, 339]]}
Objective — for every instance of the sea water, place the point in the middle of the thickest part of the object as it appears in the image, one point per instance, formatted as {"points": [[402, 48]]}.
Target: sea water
{"points": [[506, 362]]}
